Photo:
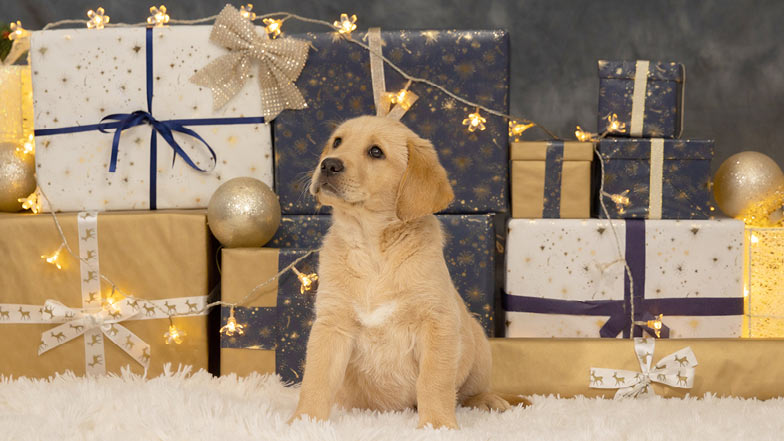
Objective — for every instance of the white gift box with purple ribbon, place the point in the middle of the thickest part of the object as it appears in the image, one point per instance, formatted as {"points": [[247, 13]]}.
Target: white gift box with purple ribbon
{"points": [[120, 126], [565, 278]]}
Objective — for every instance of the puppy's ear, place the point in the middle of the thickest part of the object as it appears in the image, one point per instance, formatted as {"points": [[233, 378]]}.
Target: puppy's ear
{"points": [[424, 188]]}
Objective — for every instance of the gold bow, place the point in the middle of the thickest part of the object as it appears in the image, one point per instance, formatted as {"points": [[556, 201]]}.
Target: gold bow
{"points": [[280, 63]]}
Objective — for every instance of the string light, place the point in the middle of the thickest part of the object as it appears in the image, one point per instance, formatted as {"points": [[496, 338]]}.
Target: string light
{"points": [[656, 324], [245, 11], [17, 31], [232, 327], [97, 19], [28, 148], [516, 129], [174, 335], [614, 125], [54, 259], [475, 121], [31, 203], [403, 98], [346, 24], [754, 238], [621, 200], [159, 16], [272, 27], [584, 136], [307, 280]]}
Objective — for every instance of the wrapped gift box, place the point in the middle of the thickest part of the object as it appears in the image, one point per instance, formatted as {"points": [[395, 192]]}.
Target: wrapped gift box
{"points": [[645, 96], [469, 253], [656, 178], [764, 272], [336, 83], [564, 277], [163, 258], [16, 113], [277, 317], [551, 179], [81, 77], [727, 367]]}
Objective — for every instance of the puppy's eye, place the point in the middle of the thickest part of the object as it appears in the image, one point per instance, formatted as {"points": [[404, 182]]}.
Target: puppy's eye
{"points": [[375, 152], [336, 142]]}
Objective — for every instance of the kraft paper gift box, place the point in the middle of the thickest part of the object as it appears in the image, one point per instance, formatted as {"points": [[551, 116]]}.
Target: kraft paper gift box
{"points": [[469, 253], [551, 179], [160, 258], [763, 276], [276, 318], [646, 98], [88, 83], [564, 278], [726, 367], [656, 178], [337, 86]]}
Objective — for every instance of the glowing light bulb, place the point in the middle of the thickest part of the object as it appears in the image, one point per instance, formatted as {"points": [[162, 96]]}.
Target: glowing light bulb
{"points": [[272, 27], [245, 11], [232, 327], [97, 19], [17, 31], [475, 121], [28, 148], [174, 335], [516, 129], [621, 200], [745, 291], [656, 325], [31, 203], [403, 98], [583, 136], [614, 125], [308, 281], [159, 16], [754, 238], [54, 259], [346, 24]]}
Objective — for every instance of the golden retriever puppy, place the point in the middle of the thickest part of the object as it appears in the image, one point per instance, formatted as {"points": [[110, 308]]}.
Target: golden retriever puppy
{"points": [[391, 331]]}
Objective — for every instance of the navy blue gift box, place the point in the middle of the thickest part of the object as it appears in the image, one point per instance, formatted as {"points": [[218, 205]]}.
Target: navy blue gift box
{"points": [[469, 253], [336, 84], [646, 105], [633, 169]]}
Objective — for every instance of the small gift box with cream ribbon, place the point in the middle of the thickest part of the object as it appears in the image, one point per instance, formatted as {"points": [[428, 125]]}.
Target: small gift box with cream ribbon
{"points": [[58, 313], [551, 179], [656, 178], [641, 98]]}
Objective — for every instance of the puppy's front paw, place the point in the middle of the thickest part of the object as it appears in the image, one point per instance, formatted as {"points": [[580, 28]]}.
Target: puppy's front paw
{"points": [[302, 415], [437, 422], [487, 401]]}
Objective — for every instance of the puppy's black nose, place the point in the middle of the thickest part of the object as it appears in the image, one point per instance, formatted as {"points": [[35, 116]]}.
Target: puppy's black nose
{"points": [[331, 166]]}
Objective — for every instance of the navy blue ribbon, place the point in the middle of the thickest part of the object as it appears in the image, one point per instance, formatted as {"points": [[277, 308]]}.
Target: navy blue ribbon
{"points": [[619, 310], [553, 171], [166, 128]]}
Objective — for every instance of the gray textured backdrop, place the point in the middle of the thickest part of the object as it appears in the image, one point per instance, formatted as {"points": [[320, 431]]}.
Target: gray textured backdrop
{"points": [[733, 50]]}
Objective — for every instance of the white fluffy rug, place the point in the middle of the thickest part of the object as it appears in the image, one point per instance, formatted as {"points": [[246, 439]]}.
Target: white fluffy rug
{"points": [[181, 406]]}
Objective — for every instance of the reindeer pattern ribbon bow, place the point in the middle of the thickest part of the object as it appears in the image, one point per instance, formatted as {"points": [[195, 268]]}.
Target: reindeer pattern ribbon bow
{"points": [[675, 370], [280, 63]]}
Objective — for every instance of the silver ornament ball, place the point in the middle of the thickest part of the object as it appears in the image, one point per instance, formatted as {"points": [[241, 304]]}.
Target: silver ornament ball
{"points": [[243, 213], [17, 177]]}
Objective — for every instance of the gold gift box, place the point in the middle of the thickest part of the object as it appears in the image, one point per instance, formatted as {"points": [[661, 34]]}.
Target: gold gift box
{"points": [[763, 287], [726, 367], [151, 255], [528, 179], [16, 110]]}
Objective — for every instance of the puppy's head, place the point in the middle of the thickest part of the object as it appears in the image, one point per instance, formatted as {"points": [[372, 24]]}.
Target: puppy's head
{"points": [[379, 164]]}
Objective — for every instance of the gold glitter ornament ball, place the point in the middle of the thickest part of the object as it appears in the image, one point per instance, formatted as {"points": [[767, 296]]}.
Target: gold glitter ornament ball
{"points": [[745, 179], [17, 177], [243, 213]]}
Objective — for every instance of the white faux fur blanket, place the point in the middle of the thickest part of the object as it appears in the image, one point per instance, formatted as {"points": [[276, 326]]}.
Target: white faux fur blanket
{"points": [[181, 406]]}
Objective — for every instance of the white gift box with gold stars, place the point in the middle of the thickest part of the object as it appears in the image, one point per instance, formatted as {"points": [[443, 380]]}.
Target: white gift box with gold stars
{"points": [[119, 125], [568, 278]]}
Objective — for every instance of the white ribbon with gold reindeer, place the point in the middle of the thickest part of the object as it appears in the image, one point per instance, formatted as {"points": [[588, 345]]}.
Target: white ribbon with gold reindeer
{"points": [[403, 100], [98, 316], [675, 370]]}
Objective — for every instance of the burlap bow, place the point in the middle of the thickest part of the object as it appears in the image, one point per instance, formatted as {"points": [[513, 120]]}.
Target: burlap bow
{"points": [[676, 370], [280, 63]]}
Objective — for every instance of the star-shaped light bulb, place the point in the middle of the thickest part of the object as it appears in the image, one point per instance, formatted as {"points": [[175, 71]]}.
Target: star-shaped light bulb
{"points": [[272, 27], [111, 303], [308, 281], [31, 203], [28, 148], [516, 129], [17, 31], [621, 200], [754, 238], [158, 16], [403, 98], [346, 24], [583, 136], [246, 12], [232, 327], [614, 125], [174, 335], [54, 258], [97, 19], [475, 121]]}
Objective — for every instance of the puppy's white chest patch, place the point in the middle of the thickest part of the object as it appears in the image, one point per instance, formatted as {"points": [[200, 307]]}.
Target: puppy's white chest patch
{"points": [[371, 318]]}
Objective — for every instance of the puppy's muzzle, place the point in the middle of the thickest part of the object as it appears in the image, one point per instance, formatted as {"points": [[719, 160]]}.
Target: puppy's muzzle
{"points": [[331, 166]]}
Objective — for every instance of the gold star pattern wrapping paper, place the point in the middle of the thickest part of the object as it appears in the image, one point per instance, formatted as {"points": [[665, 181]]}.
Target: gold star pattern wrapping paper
{"points": [[764, 272]]}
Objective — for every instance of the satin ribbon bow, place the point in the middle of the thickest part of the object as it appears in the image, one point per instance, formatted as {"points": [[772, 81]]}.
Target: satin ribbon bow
{"points": [[675, 370], [280, 63], [78, 321]]}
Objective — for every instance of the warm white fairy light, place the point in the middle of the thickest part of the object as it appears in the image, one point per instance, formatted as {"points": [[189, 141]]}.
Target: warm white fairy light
{"points": [[475, 121], [17, 31], [516, 129], [656, 324], [28, 148], [246, 12], [174, 335], [54, 258], [97, 19], [272, 27], [614, 125], [232, 327], [307, 281], [159, 16], [584, 136], [31, 203], [403, 98], [754, 238], [346, 24]]}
